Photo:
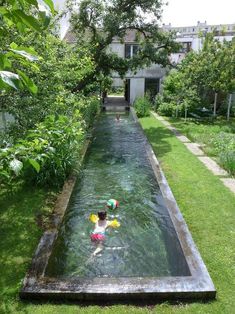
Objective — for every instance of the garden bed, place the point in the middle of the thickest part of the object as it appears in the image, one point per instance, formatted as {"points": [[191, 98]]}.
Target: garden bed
{"points": [[217, 139]]}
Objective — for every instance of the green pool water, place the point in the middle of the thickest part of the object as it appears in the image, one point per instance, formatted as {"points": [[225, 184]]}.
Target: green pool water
{"points": [[116, 166]]}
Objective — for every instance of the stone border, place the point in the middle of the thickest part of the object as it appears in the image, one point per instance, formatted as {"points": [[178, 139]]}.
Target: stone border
{"points": [[197, 286]]}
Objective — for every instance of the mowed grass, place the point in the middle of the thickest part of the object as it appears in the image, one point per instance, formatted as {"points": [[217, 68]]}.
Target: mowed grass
{"points": [[209, 210], [195, 129], [207, 206], [217, 137]]}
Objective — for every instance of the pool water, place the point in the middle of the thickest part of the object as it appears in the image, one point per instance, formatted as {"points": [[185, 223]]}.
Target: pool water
{"points": [[145, 245]]}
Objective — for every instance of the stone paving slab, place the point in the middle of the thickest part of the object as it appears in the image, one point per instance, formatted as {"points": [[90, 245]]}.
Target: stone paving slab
{"points": [[158, 117], [194, 148], [183, 139], [173, 129], [213, 166], [166, 123], [230, 183]]}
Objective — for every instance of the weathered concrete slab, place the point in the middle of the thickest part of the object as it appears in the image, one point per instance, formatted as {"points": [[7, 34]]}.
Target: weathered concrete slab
{"points": [[230, 183], [170, 127], [165, 123], [157, 116], [194, 148], [213, 166], [183, 139]]}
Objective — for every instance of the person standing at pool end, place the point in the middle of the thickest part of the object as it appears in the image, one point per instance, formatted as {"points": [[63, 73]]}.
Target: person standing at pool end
{"points": [[101, 224]]}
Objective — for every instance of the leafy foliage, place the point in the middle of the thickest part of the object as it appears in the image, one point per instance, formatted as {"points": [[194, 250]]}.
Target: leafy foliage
{"points": [[46, 155], [20, 15], [217, 139], [41, 146], [55, 77], [200, 75], [142, 106], [96, 23]]}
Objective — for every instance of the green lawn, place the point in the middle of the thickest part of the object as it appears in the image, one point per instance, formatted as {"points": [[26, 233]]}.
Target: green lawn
{"points": [[208, 208], [218, 137]]}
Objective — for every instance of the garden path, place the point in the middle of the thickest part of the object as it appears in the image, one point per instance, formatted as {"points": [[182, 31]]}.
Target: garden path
{"points": [[195, 149]]}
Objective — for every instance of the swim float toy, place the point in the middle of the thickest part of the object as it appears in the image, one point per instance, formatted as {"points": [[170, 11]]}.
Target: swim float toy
{"points": [[114, 223]]}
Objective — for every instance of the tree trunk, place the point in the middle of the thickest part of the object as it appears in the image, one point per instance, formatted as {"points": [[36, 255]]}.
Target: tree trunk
{"points": [[215, 103], [185, 114], [177, 109], [229, 106]]}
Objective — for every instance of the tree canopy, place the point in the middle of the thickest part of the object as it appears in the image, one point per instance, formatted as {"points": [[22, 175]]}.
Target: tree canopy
{"points": [[20, 16], [96, 23], [201, 75]]}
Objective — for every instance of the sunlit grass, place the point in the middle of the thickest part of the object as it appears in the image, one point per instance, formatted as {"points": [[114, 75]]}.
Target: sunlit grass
{"points": [[208, 208], [217, 138]]}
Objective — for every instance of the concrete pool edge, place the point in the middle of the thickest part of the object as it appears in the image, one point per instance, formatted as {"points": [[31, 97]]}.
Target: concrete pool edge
{"points": [[197, 286]]}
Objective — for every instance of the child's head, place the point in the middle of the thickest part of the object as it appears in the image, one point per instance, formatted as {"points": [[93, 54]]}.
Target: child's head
{"points": [[102, 215]]}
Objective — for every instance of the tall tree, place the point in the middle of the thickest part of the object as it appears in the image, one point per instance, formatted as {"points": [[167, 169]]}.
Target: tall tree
{"points": [[96, 22], [203, 74]]}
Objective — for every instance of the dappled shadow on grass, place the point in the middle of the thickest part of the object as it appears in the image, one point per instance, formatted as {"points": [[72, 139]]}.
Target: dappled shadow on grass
{"points": [[19, 236]]}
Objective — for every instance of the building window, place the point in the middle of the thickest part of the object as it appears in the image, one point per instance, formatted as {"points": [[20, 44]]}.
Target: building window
{"points": [[131, 50]]}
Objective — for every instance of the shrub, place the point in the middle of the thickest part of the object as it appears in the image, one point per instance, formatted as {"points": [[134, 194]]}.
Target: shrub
{"points": [[170, 109], [142, 106], [49, 151], [224, 142], [46, 156], [89, 107], [227, 161]]}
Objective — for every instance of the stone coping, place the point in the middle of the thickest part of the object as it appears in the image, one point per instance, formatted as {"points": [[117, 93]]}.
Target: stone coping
{"points": [[197, 286]]}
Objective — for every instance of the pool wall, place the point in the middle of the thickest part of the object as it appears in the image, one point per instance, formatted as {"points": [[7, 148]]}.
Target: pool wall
{"points": [[197, 286]]}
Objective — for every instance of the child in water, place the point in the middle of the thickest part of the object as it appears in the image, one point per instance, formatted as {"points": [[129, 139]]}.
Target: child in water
{"points": [[98, 234]]}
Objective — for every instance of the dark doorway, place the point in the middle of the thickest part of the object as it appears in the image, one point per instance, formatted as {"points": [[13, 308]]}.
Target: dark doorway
{"points": [[127, 90], [152, 87]]}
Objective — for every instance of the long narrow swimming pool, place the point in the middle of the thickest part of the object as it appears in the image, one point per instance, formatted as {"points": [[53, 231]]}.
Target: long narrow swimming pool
{"points": [[117, 166], [151, 256]]}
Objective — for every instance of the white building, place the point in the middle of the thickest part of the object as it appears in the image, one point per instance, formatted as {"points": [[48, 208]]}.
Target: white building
{"points": [[191, 37], [138, 83], [149, 79]]}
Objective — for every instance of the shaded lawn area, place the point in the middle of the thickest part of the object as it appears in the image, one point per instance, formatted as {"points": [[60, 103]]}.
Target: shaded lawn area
{"points": [[206, 204]]}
